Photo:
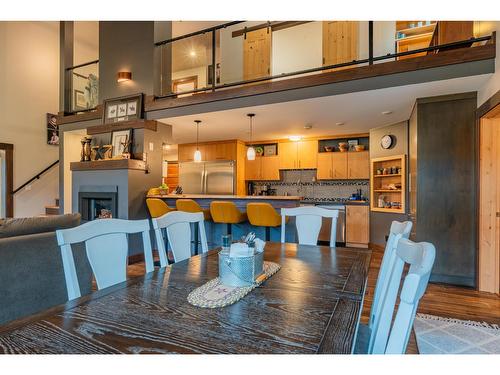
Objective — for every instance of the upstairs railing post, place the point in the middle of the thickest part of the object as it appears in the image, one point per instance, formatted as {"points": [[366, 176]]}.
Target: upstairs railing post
{"points": [[370, 42], [214, 70]]}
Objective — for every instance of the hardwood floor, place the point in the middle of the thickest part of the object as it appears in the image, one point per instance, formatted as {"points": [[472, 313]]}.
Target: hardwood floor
{"points": [[439, 299]]}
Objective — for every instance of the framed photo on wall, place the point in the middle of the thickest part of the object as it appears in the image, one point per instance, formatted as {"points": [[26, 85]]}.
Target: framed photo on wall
{"points": [[125, 108], [52, 130], [79, 100]]}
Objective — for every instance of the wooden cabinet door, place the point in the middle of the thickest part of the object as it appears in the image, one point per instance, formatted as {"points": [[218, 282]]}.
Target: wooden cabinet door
{"points": [[287, 152], [340, 42], [253, 169], [358, 164], [270, 168], [208, 152], [324, 166], [257, 54], [339, 165], [307, 152], [186, 152], [357, 225], [225, 151]]}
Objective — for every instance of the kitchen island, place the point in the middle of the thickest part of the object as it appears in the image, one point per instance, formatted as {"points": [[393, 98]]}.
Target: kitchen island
{"points": [[215, 231]]}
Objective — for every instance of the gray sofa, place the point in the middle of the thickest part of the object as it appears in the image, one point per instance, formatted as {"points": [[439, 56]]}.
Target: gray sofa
{"points": [[31, 270]]}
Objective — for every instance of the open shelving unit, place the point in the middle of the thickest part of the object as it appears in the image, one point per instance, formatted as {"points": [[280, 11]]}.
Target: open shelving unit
{"points": [[379, 183], [415, 37]]}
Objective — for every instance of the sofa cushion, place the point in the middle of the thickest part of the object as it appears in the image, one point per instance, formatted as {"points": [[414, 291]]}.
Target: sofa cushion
{"points": [[32, 225]]}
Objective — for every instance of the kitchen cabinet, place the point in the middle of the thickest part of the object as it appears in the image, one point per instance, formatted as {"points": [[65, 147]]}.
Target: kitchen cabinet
{"points": [[339, 165], [357, 226], [263, 168], [298, 155], [209, 151], [358, 165], [186, 152]]}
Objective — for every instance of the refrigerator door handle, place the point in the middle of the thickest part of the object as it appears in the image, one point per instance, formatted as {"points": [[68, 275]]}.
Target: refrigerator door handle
{"points": [[205, 180], [202, 188]]}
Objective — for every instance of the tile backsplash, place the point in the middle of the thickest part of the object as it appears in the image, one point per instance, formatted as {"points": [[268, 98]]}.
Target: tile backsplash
{"points": [[303, 183]]}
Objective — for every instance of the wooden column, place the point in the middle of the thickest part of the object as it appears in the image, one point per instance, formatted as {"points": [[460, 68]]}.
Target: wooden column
{"points": [[9, 178]]}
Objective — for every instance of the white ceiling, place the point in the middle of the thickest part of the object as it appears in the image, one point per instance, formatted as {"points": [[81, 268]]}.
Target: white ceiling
{"points": [[358, 111]]}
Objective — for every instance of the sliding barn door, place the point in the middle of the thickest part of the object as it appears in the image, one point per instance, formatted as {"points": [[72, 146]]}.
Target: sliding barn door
{"points": [[257, 54], [489, 206], [340, 42]]}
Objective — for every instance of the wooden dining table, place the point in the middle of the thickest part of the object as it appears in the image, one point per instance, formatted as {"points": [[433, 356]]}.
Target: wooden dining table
{"points": [[311, 305]]}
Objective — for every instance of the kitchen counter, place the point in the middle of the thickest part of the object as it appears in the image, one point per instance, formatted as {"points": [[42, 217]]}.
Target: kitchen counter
{"points": [[333, 203], [228, 197]]}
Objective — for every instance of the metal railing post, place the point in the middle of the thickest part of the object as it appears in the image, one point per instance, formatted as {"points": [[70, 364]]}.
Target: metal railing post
{"points": [[214, 70], [370, 42]]}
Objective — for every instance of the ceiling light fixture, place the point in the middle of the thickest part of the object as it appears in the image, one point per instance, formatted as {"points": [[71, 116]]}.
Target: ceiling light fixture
{"points": [[197, 153], [308, 126], [192, 53], [295, 138], [386, 112], [123, 76], [251, 149]]}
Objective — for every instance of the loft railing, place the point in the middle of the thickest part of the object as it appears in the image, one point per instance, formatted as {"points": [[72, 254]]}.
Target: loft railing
{"points": [[82, 87], [35, 177], [214, 58]]}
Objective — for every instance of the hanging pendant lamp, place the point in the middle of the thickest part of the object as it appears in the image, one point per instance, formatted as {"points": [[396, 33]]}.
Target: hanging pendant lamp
{"points": [[197, 153], [251, 149]]}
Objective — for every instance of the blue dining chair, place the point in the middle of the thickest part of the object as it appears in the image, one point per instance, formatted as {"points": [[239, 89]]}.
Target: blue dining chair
{"points": [[382, 337], [106, 243]]}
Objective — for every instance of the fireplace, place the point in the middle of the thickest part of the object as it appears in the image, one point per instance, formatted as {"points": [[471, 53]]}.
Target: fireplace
{"points": [[97, 205]]}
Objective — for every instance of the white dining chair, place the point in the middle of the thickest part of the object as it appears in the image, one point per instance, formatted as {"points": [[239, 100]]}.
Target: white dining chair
{"points": [[106, 243], [308, 221], [385, 336], [178, 227], [397, 231]]}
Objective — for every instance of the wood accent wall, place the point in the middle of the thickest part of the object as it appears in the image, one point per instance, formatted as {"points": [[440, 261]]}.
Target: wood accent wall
{"points": [[489, 205]]}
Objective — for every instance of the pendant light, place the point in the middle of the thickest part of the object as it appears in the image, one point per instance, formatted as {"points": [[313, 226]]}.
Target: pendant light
{"points": [[197, 153], [251, 149]]}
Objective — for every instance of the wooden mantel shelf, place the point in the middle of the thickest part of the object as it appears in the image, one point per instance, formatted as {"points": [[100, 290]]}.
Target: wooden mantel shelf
{"points": [[108, 165], [124, 125]]}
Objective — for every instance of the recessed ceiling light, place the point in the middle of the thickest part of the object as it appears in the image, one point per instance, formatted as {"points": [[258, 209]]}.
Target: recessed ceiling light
{"points": [[340, 123], [295, 138], [386, 112]]}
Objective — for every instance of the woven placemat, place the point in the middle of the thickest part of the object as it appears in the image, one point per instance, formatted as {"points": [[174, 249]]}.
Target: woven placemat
{"points": [[213, 294]]}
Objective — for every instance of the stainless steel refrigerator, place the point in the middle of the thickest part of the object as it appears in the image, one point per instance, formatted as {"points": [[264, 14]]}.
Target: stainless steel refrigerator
{"points": [[207, 177]]}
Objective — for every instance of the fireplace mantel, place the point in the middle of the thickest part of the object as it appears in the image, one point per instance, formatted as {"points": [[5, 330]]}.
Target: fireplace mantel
{"points": [[108, 165]]}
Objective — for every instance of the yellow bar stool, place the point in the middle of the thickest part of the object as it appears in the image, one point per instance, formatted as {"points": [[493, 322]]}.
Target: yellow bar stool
{"points": [[226, 212], [263, 215], [157, 207], [189, 205]]}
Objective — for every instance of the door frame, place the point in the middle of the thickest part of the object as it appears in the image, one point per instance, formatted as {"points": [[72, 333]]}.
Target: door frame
{"points": [[9, 173], [490, 108]]}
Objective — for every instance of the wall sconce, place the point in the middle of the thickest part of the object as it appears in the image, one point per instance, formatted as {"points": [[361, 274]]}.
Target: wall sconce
{"points": [[124, 76]]}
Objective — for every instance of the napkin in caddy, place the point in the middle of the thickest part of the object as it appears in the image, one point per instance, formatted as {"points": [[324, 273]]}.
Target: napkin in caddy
{"points": [[241, 265]]}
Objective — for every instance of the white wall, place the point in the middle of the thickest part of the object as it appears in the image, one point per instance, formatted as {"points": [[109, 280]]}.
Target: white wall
{"points": [[493, 84], [297, 48], [200, 72], [29, 84]]}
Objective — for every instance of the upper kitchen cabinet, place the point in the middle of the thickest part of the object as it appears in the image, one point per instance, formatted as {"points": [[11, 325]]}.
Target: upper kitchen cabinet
{"points": [[298, 155], [263, 168], [358, 165], [213, 151]]}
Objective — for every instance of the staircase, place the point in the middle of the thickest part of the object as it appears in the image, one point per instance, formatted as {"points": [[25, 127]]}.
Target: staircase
{"points": [[52, 210]]}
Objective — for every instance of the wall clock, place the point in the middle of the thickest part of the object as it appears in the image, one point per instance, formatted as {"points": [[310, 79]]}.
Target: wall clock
{"points": [[387, 141]]}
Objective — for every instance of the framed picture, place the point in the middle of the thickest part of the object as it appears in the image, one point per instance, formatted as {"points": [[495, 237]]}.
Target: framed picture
{"points": [[122, 142], [52, 130], [79, 100], [217, 74], [269, 150], [125, 108], [184, 84], [352, 143]]}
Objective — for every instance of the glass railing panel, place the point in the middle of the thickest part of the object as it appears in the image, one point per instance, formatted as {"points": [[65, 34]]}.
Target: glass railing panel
{"points": [[83, 87], [384, 39]]}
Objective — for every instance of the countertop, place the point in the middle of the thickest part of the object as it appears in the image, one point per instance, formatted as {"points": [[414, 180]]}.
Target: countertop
{"points": [[335, 203], [241, 197]]}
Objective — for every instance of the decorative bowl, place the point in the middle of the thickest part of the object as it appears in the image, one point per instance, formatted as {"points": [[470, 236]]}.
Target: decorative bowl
{"points": [[359, 147], [328, 148]]}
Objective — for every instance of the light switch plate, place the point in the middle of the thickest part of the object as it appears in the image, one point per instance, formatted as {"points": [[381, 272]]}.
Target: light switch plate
{"points": [[151, 146]]}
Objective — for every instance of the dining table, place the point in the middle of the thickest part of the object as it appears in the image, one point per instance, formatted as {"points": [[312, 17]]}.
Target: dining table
{"points": [[311, 305]]}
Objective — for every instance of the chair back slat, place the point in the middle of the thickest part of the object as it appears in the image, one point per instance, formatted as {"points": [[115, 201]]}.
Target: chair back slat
{"points": [[420, 257], [308, 222], [106, 245], [398, 230], [178, 228]]}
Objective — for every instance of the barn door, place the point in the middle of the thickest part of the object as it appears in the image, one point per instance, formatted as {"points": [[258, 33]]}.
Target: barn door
{"points": [[340, 42], [257, 54]]}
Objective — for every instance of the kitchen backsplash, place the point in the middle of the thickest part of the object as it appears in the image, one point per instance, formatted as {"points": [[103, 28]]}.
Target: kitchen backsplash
{"points": [[303, 183]]}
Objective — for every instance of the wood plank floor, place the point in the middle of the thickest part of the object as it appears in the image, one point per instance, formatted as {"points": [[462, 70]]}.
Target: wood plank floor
{"points": [[439, 299]]}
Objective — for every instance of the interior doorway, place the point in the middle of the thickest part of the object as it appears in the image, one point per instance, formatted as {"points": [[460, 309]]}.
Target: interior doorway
{"points": [[489, 201], [6, 180]]}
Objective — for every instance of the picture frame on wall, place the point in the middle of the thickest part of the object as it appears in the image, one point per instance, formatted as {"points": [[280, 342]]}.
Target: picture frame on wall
{"points": [[121, 142], [52, 130], [79, 100], [125, 108]]}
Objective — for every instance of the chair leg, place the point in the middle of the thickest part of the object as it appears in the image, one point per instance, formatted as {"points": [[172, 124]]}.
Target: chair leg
{"points": [[229, 229], [268, 233], [196, 239]]}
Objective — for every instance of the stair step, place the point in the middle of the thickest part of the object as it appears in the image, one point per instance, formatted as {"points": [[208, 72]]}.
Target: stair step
{"points": [[51, 210]]}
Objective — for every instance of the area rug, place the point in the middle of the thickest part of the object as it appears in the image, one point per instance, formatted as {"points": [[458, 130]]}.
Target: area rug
{"points": [[438, 335]]}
